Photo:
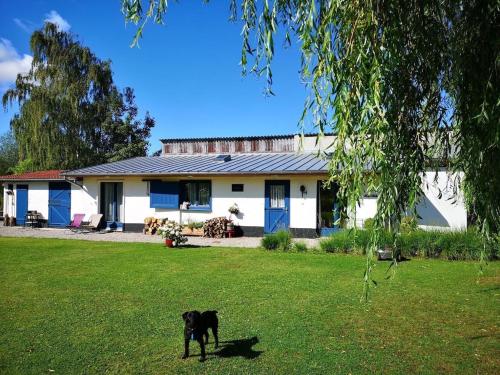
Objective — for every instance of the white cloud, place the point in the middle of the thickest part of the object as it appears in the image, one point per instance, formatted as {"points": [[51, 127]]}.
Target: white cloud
{"points": [[23, 25], [55, 18], [11, 63]]}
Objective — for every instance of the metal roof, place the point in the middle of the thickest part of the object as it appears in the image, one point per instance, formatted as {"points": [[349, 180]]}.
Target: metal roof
{"points": [[203, 164]]}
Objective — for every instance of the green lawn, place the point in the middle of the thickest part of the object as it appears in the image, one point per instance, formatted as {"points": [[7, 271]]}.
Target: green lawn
{"points": [[89, 307]]}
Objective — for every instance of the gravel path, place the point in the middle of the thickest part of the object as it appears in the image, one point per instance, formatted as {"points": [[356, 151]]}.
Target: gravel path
{"points": [[132, 237]]}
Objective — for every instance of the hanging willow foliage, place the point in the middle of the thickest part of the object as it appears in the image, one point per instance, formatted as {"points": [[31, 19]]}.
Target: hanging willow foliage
{"points": [[407, 86], [71, 113]]}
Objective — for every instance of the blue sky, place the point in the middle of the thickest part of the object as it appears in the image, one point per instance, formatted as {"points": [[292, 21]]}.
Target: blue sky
{"points": [[185, 73]]}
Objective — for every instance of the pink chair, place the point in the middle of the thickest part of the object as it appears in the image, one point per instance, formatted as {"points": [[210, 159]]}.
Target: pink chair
{"points": [[76, 223]]}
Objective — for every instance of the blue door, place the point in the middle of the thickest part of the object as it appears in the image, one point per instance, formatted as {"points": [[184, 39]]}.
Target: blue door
{"points": [[277, 206], [59, 204], [21, 203]]}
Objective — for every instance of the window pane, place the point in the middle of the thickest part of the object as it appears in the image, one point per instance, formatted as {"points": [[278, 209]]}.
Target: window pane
{"points": [[108, 201], [119, 201], [277, 196], [191, 192], [204, 193]]}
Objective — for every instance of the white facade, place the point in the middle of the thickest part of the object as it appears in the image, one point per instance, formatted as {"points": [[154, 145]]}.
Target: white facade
{"points": [[136, 200], [437, 210], [38, 197]]}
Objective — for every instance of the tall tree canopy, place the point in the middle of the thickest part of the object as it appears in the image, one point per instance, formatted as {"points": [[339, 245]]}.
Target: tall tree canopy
{"points": [[71, 113], [403, 83], [8, 153]]}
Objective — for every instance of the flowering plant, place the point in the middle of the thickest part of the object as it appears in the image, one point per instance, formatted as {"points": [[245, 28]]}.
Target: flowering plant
{"points": [[234, 209], [172, 231]]}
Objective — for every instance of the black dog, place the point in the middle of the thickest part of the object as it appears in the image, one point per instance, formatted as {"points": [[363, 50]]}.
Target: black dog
{"points": [[196, 326]]}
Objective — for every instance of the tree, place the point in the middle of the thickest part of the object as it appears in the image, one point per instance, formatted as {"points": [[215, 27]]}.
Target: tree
{"points": [[8, 153], [71, 114], [406, 85]]}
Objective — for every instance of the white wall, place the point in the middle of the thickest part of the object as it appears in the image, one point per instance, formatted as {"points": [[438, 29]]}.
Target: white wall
{"points": [[445, 212], [84, 199], [250, 201], [38, 197], [438, 209], [435, 212], [367, 208], [8, 202], [303, 210]]}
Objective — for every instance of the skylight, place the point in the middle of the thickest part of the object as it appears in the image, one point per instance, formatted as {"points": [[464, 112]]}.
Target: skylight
{"points": [[223, 158]]}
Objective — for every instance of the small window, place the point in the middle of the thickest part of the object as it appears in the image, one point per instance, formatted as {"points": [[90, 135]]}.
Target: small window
{"points": [[277, 196], [237, 187], [197, 193]]}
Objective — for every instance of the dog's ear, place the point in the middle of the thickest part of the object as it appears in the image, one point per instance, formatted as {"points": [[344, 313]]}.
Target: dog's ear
{"points": [[184, 315]]}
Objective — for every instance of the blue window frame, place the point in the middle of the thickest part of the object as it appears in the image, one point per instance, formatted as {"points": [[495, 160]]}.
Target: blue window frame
{"points": [[197, 193], [164, 194]]}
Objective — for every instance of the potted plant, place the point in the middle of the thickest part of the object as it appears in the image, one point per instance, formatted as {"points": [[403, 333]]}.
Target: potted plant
{"points": [[193, 228], [233, 210], [172, 233]]}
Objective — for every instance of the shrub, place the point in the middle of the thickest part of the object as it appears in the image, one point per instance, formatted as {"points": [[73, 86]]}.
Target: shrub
{"points": [[281, 240], [369, 224], [465, 245], [301, 247], [408, 224], [172, 231], [195, 225], [345, 241]]}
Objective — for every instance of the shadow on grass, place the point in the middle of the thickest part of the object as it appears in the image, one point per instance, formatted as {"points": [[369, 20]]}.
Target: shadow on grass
{"points": [[235, 348], [238, 348]]}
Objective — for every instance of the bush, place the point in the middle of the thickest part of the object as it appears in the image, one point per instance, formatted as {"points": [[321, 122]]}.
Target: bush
{"points": [[408, 224], [301, 247], [281, 240], [346, 241], [465, 245], [369, 224], [195, 225]]}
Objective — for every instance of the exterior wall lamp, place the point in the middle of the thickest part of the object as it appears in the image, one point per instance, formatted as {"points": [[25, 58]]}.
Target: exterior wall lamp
{"points": [[303, 190]]}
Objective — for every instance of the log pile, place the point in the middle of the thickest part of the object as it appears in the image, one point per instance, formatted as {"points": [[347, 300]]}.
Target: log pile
{"points": [[215, 228], [151, 225]]}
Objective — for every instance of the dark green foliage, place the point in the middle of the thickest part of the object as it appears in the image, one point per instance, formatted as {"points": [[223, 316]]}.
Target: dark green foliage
{"points": [[8, 153], [71, 113], [281, 240], [464, 245], [300, 247]]}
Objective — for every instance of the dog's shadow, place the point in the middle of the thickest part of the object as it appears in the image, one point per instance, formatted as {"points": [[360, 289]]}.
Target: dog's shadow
{"points": [[237, 348]]}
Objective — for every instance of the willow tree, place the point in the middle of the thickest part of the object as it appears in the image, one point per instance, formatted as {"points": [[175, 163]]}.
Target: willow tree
{"points": [[71, 114], [407, 86]]}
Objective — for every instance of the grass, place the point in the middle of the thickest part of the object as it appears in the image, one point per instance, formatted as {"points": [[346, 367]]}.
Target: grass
{"points": [[89, 307]]}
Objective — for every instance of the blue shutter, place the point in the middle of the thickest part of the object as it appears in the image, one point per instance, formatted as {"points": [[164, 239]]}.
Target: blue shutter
{"points": [[164, 194]]}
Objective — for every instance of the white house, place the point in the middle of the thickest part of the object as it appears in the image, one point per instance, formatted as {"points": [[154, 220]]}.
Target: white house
{"points": [[276, 182]]}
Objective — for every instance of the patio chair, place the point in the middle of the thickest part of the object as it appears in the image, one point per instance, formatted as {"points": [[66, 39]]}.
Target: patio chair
{"points": [[93, 224], [32, 219], [76, 223]]}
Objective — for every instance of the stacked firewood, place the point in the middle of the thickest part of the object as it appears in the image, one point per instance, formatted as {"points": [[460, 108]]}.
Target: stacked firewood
{"points": [[215, 228], [151, 225]]}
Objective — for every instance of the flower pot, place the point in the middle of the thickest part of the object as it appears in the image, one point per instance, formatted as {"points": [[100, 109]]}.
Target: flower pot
{"points": [[169, 242]]}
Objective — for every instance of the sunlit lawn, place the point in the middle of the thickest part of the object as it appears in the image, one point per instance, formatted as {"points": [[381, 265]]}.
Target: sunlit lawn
{"points": [[89, 307]]}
